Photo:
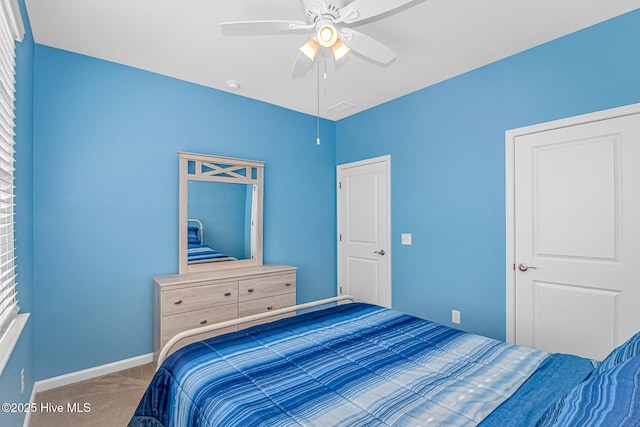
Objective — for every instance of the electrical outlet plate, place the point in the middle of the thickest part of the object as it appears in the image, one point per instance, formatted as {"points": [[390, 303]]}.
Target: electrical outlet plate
{"points": [[406, 238], [455, 317]]}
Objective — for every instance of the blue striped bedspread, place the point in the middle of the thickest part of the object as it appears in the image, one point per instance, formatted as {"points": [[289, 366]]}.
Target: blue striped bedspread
{"points": [[196, 252], [349, 365]]}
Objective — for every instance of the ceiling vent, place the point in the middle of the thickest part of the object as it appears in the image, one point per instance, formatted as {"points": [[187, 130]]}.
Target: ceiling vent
{"points": [[341, 106]]}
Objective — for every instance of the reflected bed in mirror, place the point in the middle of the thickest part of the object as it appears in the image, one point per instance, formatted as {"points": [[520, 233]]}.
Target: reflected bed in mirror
{"points": [[197, 250], [220, 212]]}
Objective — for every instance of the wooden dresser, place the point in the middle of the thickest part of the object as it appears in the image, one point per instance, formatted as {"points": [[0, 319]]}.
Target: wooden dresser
{"points": [[186, 301]]}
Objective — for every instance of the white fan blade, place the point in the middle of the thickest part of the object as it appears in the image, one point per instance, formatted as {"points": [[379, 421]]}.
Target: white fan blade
{"points": [[367, 46], [264, 27], [302, 66], [360, 10]]}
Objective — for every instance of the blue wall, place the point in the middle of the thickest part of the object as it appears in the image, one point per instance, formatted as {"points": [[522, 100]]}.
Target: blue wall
{"points": [[448, 165], [22, 356], [106, 139]]}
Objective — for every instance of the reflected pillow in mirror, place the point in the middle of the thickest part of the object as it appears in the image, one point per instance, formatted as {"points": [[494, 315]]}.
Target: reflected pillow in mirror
{"points": [[192, 236]]}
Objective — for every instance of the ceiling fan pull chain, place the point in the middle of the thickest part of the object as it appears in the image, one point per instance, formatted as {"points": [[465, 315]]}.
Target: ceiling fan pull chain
{"points": [[318, 99], [325, 64]]}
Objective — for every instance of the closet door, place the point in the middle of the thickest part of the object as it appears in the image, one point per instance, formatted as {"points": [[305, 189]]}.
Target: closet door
{"points": [[577, 236]]}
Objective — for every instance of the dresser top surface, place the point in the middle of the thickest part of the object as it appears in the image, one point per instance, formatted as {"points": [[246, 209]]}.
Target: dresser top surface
{"points": [[230, 274]]}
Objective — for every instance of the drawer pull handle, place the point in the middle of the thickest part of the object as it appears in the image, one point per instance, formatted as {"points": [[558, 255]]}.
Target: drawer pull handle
{"points": [[202, 322], [287, 284], [227, 294], [269, 308], [250, 290], [178, 302]]}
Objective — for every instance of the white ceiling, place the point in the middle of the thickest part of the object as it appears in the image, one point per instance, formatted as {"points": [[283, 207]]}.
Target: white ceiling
{"points": [[434, 40]]}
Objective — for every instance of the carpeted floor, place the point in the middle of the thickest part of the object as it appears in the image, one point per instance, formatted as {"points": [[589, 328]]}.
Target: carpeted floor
{"points": [[104, 401]]}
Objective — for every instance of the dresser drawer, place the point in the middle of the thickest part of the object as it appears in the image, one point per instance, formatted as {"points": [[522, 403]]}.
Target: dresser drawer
{"points": [[171, 325], [266, 286], [247, 308], [184, 301], [176, 301]]}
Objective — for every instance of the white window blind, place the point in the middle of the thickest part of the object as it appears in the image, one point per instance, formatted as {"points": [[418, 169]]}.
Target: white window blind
{"points": [[10, 30]]}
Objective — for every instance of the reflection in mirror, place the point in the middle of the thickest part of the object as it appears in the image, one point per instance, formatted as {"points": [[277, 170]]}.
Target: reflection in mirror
{"points": [[220, 218], [220, 212]]}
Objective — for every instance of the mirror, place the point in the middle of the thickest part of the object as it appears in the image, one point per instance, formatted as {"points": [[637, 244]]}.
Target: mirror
{"points": [[220, 212]]}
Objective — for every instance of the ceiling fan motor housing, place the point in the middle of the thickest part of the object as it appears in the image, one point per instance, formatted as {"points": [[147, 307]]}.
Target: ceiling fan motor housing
{"points": [[316, 11]]}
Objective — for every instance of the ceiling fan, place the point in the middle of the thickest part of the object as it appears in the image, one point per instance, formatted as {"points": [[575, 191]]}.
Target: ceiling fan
{"points": [[329, 21]]}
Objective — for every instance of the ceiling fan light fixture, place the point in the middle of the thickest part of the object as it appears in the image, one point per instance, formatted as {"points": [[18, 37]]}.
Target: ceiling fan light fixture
{"points": [[327, 35], [309, 49], [339, 50]]}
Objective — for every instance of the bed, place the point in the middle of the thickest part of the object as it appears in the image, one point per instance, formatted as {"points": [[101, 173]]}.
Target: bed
{"points": [[363, 365], [197, 251]]}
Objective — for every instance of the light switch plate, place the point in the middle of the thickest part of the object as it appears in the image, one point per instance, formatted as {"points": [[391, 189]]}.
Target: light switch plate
{"points": [[406, 238]]}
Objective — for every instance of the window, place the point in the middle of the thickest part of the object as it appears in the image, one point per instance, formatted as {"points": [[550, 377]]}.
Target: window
{"points": [[11, 29]]}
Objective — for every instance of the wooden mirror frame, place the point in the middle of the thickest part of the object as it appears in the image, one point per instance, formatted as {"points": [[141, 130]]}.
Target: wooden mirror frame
{"points": [[219, 169]]}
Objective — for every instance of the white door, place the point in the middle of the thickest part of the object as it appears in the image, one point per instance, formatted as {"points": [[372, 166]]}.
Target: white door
{"points": [[577, 236], [364, 252]]}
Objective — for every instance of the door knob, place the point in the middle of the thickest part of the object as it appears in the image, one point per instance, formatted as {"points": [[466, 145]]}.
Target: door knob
{"points": [[524, 267], [380, 252]]}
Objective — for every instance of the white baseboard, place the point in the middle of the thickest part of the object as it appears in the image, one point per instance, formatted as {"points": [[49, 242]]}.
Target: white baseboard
{"points": [[32, 399], [87, 374]]}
